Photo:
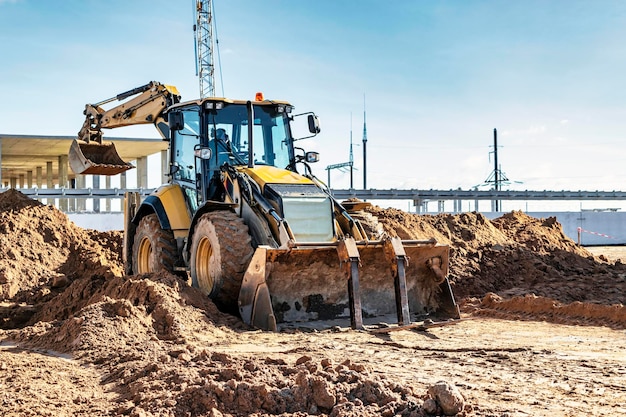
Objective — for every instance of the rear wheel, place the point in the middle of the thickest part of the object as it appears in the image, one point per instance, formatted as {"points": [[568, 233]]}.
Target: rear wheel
{"points": [[154, 249], [221, 250]]}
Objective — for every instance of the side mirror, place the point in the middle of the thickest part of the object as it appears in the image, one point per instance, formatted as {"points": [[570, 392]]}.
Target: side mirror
{"points": [[176, 121], [314, 124], [174, 168], [311, 157], [202, 152]]}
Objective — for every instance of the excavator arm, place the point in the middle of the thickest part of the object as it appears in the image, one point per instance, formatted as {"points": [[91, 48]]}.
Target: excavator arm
{"points": [[89, 155]]}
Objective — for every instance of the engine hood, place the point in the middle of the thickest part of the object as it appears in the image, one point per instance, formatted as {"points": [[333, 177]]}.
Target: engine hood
{"points": [[264, 174]]}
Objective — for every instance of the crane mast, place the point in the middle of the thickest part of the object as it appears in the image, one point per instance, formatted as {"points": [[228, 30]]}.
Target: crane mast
{"points": [[203, 34]]}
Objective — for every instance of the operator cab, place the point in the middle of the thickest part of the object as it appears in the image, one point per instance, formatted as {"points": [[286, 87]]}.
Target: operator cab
{"points": [[210, 135]]}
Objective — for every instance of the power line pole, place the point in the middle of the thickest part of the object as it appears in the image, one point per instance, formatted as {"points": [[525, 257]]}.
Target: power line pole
{"points": [[496, 170], [351, 159], [203, 35], [497, 177]]}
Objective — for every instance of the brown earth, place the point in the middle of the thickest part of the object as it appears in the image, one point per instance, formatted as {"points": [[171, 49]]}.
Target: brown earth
{"points": [[543, 333]]}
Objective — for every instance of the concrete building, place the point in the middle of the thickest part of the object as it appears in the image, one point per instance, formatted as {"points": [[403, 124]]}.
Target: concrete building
{"points": [[30, 161]]}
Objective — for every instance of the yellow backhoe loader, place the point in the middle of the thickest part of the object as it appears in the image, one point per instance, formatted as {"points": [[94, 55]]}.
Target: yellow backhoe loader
{"points": [[244, 217]]}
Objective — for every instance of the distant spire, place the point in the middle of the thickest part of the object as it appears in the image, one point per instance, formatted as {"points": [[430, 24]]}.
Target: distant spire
{"points": [[351, 155], [351, 163], [364, 121], [364, 146]]}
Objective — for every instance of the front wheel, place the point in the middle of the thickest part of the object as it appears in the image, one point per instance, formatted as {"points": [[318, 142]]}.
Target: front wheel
{"points": [[221, 250], [154, 249]]}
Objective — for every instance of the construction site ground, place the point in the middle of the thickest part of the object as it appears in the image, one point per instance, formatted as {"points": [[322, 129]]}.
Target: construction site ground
{"points": [[543, 332]]}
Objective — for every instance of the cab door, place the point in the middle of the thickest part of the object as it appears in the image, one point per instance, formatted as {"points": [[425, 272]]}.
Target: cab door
{"points": [[186, 168]]}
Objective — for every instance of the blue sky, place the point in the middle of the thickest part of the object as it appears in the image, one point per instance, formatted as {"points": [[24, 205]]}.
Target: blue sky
{"points": [[437, 76]]}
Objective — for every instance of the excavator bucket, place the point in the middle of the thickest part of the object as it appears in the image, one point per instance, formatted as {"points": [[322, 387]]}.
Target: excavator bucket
{"points": [[325, 284], [96, 159]]}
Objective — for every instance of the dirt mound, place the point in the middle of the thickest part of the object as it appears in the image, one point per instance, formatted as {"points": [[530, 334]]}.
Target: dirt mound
{"points": [[518, 255], [154, 339], [43, 252], [531, 307], [12, 199]]}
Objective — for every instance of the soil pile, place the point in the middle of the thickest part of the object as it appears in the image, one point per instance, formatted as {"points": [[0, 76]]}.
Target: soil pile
{"points": [[156, 346], [160, 352], [42, 252], [529, 263]]}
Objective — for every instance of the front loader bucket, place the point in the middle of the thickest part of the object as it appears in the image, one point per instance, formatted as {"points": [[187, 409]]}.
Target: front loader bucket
{"points": [[96, 159], [363, 281]]}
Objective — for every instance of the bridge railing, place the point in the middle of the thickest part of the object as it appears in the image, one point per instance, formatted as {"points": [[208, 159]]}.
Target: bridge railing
{"points": [[89, 199]]}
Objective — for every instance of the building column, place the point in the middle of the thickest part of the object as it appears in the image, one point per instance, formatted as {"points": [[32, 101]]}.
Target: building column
{"points": [[416, 204], [72, 201], [96, 185], [441, 206], [123, 180], [63, 171], [142, 172], [63, 182], [13, 182], [107, 201], [49, 180], [81, 205], [29, 179], [39, 177], [49, 175], [21, 177]]}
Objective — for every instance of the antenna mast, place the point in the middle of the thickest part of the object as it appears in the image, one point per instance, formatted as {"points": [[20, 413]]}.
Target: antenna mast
{"points": [[203, 35], [364, 147], [351, 160]]}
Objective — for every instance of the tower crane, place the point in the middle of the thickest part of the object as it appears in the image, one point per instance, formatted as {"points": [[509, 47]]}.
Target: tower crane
{"points": [[205, 45]]}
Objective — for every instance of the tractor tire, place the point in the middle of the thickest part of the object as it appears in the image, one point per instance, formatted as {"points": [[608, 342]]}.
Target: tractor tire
{"points": [[221, 250], [154, 249]]}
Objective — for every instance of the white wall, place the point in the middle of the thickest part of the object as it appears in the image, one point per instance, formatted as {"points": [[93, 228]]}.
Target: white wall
{"points": [[98, 221], [598, 228]]}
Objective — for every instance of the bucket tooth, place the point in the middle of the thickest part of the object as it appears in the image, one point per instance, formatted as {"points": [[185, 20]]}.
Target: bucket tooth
{"points": [[350, 260], [449, 307], [396, 256], [255, 304]]}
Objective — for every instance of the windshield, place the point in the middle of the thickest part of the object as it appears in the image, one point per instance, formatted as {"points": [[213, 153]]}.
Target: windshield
{"points": [[228, 135]]}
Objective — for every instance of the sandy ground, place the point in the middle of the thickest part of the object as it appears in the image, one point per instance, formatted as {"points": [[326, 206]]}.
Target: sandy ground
{"points": [[514, 368], [611, 252], [543, 332]]}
